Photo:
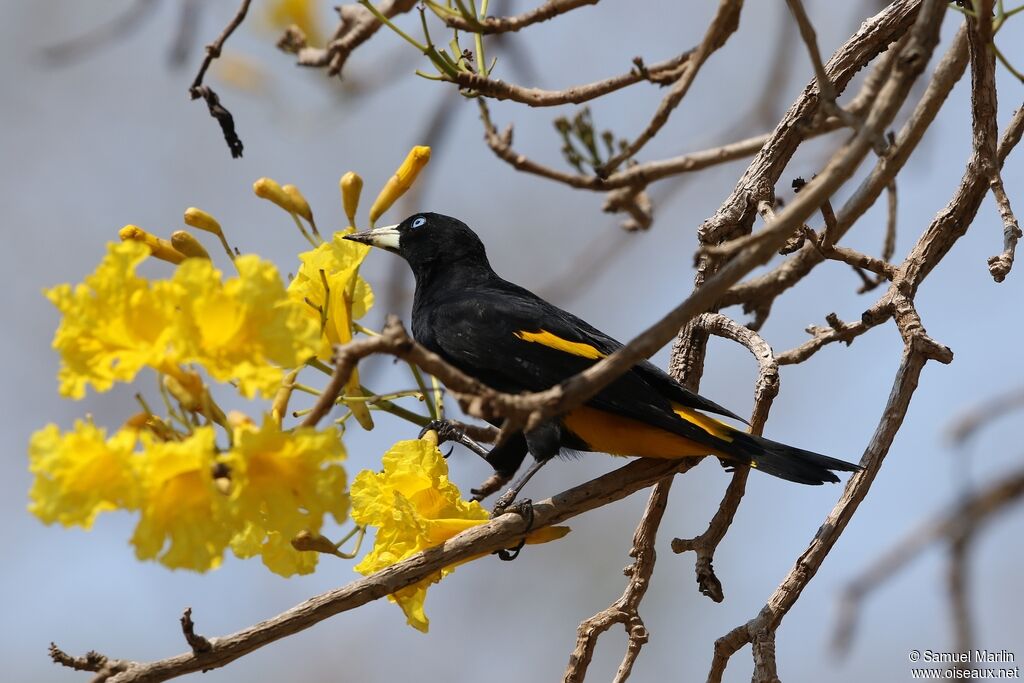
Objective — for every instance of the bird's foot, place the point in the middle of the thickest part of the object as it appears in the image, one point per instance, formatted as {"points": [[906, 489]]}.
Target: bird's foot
{"points": [[449, 430], [446, 430], [523, 508]]}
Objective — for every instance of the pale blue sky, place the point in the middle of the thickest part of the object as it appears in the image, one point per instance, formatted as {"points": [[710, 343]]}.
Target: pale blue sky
{"points": [[114, 139]]}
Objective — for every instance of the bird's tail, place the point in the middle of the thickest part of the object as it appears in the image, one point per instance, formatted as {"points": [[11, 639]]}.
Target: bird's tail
{"points": [[787, 462]]}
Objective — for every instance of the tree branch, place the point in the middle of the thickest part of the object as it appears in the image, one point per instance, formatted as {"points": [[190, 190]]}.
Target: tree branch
{"points": [[765, 390], [966, 517], [724, 24], [356, 25], [198, 89], [984, 130], [577, 94], [625, 610], [490, 25], [496, 534]]}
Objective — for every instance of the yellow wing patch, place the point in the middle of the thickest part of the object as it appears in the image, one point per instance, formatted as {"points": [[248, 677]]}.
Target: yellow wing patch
{"points": [[553, 341], [715, 428], [617, 435]]}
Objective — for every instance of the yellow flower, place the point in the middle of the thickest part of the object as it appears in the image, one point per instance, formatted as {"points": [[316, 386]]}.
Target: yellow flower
{"points": [[245, 329], [185, 520], [159, 247], [348, 296], [351, 186], [81, 473], [197, 218], [114, 324], [415, 506], [285, 483], [400, 182]]}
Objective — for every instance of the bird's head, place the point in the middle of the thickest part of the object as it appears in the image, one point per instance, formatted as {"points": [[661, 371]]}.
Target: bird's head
{"points": [[427, 241]]}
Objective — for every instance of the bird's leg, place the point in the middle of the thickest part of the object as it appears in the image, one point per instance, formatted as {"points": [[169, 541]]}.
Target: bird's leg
{"points": [[523, 508], [504, 504], [505, 458], [544, 442], [448, 430]]}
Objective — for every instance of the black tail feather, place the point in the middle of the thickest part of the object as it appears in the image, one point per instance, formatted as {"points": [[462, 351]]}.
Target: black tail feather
{"points": [[787, 462]]}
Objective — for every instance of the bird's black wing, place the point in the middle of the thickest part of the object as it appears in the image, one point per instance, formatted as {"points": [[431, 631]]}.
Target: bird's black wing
{"points": [[515, 341]]}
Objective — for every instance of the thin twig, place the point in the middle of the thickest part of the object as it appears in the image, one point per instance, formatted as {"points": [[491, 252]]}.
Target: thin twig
{"points": [[198, 89], [723, 25], [984, 130], [577, 94], [625, 610], [766, 388], [356, 25], [490, 25]]}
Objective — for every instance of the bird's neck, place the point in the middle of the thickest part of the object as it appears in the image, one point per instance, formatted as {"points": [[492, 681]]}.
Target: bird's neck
{"points": [[440, 279]]}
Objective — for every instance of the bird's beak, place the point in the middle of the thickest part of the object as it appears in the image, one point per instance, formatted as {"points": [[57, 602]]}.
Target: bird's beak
{"points": [[385, 238]]}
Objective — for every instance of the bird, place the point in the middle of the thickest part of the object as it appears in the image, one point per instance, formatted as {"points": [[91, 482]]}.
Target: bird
{"points": [[514, 341]]}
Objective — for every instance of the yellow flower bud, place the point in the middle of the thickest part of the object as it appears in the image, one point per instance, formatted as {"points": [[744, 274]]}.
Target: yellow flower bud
{"points": [[306, 540], [136, 422], [183, 241], [187, 389], [359, 409], [399, 183], [267, 188], [160, 248], [351, 187], [199, 219], [299, 203]]}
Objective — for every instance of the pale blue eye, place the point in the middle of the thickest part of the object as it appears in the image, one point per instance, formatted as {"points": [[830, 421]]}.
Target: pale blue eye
{"points": [[419, 222]]}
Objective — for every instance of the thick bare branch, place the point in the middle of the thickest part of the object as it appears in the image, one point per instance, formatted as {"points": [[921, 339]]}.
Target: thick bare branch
{"points": [[499, 533], [762, 290]]}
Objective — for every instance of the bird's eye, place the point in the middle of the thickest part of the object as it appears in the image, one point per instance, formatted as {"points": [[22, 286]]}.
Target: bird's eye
{"points": [[419, 222]]}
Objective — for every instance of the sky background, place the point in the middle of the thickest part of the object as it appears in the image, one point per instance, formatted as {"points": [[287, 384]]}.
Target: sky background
{"points": [[112, 138]]}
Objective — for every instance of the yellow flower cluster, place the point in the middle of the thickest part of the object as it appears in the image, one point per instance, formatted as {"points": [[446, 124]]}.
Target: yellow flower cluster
{"points": [[195, 500], [245, 329], [203, 481], [414, 506]]}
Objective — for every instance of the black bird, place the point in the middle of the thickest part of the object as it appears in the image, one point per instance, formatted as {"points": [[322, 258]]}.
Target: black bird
{"points": [[514, 341]]}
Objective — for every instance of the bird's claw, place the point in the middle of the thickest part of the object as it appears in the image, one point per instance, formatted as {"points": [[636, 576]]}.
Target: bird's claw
{"points": [[523, 508], [448, 430], [509, 554]]}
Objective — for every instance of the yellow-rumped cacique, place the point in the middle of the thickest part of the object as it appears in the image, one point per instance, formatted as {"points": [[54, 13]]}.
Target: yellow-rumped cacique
{"points": [[514, 341]]}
